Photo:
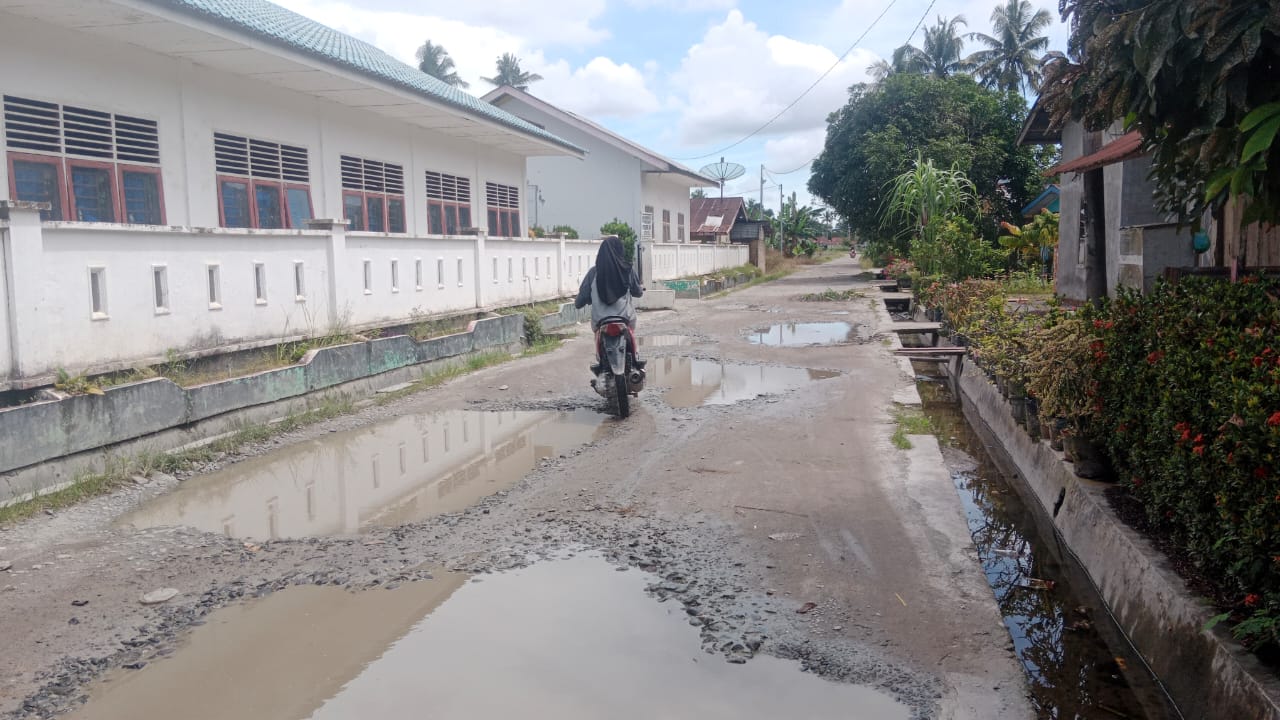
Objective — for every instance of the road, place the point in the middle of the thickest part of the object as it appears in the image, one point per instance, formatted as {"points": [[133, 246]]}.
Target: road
{"points": [[786, 525]]}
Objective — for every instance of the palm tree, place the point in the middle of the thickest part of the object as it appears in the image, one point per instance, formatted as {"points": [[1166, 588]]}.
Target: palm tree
{"points": [[1012, 59], [698, 193], [434, 60], [899, 63], [510, 74], [799, 223], [943, 51]]}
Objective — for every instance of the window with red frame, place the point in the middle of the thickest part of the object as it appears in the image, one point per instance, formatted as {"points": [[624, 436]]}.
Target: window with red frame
{"points": [[261, 184], [448, 203], [666, 226], [89, 165], [372, 195], [680, 227], [503, 202]]}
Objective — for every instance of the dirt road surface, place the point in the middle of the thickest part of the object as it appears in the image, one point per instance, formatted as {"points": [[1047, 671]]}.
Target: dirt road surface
{"points": [[785, 525]]}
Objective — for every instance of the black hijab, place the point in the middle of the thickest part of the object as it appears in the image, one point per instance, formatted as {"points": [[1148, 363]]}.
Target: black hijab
{"points": [[613, 272]]}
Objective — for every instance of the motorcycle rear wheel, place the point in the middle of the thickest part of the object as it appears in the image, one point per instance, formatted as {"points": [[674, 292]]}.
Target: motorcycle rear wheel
{"points": [[623, 395]]}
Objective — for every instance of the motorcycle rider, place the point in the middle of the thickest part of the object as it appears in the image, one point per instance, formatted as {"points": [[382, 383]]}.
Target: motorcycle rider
{"points": [[609, 287]]}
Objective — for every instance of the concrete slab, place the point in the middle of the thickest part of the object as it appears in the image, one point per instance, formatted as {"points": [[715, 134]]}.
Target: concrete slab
{"points": [[657, 300], [394, 388]]}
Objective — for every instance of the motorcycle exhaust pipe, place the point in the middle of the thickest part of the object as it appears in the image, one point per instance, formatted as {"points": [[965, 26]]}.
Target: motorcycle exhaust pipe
{"points": [[636, 380]]}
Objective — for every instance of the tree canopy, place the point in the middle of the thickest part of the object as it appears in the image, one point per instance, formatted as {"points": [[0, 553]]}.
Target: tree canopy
{"points": [[952, 121], [1197, 78], [510, 74], [434, 60]]}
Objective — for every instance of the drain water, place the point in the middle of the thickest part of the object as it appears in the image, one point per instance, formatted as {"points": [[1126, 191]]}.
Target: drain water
{"points": [[804, 334], [571, 639], [691, 382], [390, 473], [1078, 663]]}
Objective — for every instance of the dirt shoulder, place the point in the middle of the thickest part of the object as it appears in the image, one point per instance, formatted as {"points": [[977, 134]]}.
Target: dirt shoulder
{"points": [[759, 508]]}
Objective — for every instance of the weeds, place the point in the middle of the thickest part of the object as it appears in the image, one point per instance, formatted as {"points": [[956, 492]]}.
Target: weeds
{"points": [[830, 295], [909, 422]]}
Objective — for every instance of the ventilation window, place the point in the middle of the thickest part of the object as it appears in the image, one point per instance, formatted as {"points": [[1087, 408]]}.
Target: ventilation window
{"points": [[459, 272], [417, 274], [373, 194], [214, 273], [537, 268], [503, 202], [368, 277], [395, 276], [299, 281], [112, 162], [98, 293], [495, 271], [260, 283], [160, 288], [448, 203], [261, 184], [440, 273], [511, 270]]}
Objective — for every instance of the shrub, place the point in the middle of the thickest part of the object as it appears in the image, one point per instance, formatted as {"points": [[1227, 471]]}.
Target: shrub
{"points": [[537, 231], [899, 268], [569, 232], [624, 233]]}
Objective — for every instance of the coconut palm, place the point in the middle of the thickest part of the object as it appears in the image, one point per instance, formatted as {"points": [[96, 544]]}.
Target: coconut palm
{"points": [[1012, 59], [434, 60], [510, 74], [942, 53], [881, 69]]}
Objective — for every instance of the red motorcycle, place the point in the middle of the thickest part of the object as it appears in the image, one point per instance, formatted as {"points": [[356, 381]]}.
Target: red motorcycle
{"points": [[619, 373]]}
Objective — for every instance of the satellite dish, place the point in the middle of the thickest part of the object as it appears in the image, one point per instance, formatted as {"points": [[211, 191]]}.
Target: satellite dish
{"points": [[723, 171]]}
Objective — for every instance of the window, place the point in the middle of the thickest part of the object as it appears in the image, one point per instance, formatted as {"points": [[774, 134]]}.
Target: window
{"points": [[511, 269], [98, 293], [680, 227], [260, 283], [261, 184], [89, 165], [524, 268], [299, 281], [440, 272], [448, 204], [417, 274], [373, 195], [503, 202], [214, 273], [666, 226], [160, 288], [495, 271], [646, 223], [460, 272], [368, 277], [537, 268], [395, 276]]}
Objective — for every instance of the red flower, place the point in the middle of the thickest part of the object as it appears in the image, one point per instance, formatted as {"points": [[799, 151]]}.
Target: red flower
{"points": [[1231, 458], [1186, 435], [1155, 357], [1260, 473], [1096, 345], [1137, 481], [1198, 450], [1209, 342], [1274, 420], [1258, 361], [1252, 599]]}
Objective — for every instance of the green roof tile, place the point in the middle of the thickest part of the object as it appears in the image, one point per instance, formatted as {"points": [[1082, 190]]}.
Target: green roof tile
{"points": [[285, 27]]}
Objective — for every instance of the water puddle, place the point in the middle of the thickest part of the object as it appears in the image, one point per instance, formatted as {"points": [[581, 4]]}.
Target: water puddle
{"points": [[803, 334], [665, 340], [390, 473], [691, 382], [568, 639], [1078, 663]]}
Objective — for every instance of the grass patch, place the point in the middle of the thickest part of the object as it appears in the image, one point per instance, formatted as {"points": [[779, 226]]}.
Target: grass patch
{"points": [[830, 295], [909, 422], [120, 470]]}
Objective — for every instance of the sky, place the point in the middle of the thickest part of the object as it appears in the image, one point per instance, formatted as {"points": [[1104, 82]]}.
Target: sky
{"points": [[685, 78]]}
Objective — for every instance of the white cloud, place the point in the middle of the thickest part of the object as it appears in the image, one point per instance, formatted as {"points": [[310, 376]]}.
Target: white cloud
{"points": [[738, 77], [684, 5], [789, 153], [599, 89]]}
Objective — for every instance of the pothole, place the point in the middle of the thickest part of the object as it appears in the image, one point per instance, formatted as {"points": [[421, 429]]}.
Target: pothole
{"points": [[692, 382], [804, 334], [655, 341], [572, 639], [389, 473]]}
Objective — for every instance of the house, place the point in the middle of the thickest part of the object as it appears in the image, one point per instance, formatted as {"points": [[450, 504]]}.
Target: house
{"points": [[1047, 200], [616, 179], [191, 176], [724, 220]]}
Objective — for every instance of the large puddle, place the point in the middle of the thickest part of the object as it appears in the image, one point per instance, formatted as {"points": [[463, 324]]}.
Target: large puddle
{"points": [[389, 473], [569, 639], [805, 334], [654, 341], [691, 382], [1077, 661]]}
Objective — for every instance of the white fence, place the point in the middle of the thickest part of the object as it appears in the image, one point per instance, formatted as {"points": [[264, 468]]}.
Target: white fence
{"points": [[90, 297], [671, 260]]}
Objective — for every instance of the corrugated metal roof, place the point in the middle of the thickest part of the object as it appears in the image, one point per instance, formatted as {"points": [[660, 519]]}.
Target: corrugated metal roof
{"points": [[281, 26], [1125, 147], [703, 210]]}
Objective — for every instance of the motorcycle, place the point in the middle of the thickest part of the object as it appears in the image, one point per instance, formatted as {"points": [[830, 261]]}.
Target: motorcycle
{"points": [[619, 374]]}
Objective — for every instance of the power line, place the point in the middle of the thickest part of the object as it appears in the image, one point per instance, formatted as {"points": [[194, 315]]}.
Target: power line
{"points": [[793, 103]]}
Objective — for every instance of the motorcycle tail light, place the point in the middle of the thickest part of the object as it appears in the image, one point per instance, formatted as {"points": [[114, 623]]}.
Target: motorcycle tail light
{"points": [[613, 329]]}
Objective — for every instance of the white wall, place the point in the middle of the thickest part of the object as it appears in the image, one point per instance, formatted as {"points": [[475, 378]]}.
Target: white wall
{"points": [[190, 103], [675, 260], [670, 193]]}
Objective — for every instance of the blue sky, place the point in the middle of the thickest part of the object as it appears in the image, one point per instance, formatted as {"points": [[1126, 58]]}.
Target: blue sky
{"points": [[683, 77]]}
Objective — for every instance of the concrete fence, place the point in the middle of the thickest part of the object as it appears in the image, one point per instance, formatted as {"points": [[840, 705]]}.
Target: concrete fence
{"points": [[678, 260], [92, 298]]}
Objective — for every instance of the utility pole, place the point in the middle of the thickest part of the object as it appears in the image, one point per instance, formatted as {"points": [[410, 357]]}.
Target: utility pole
{"points": [[781, 219], [761, 191]]}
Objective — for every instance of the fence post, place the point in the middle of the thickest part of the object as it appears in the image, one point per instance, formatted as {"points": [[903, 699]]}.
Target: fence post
{"points": [[339, 298], [24, 280], [561, 271], [479, 274]]}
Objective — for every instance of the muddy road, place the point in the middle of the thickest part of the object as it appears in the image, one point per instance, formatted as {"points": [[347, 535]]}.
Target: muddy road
{"points": [[498, 546]]}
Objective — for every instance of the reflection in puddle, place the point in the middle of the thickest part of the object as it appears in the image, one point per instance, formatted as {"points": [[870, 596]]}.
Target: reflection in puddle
{"points": [[801, 334], [665, 340], [390, 473], [1077, 662], [693, 382], [568, 639]]}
